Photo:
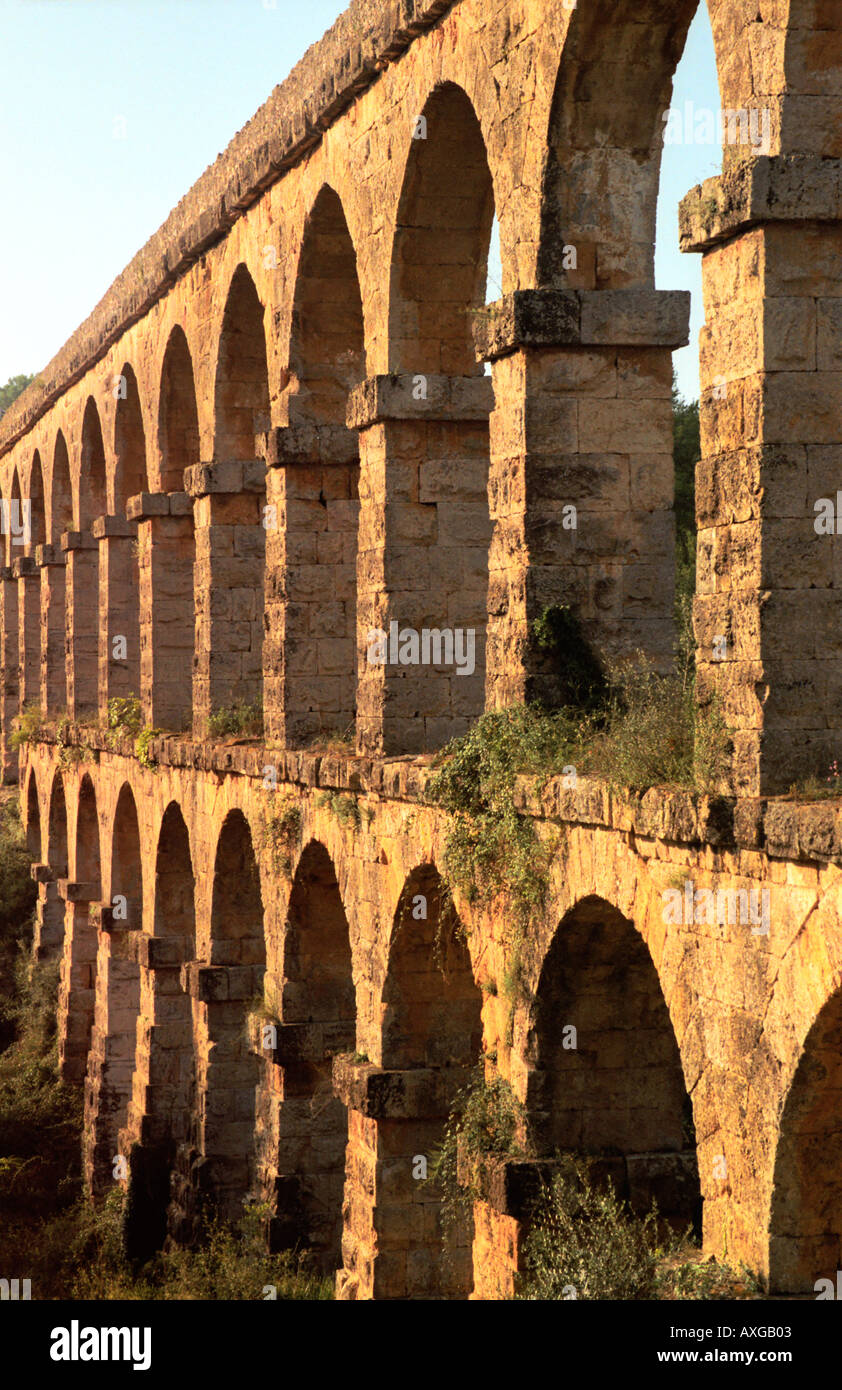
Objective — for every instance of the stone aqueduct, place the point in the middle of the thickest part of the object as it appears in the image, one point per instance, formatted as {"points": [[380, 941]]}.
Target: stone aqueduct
{"points": [[277, 432]]}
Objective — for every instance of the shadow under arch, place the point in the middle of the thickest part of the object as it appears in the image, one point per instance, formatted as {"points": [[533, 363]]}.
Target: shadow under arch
{"points": [[159, 1135], [805, 1217], [167, 551], [317, 688], [111, 1060], [53, 585], [78, 965], [57, 828], [438, 278], [34, 844], [606, 1078], [228, 664], [432, 1020], [319, 1021], [122, 572], [228, 1068]]}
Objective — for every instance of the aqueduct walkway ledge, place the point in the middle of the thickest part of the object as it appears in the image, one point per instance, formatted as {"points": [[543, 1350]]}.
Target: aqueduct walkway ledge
{"points": [[706, 1065]]}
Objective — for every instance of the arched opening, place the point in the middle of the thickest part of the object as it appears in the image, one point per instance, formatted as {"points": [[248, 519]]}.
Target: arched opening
{"points": [[805, 1227], [432, 1018], [15, 527], [167, 553], [53, 617], [57, 829], [129, 442], [35, 493], [93, 489], [178, 418], [242, 373], [231, 1072], [33, 820], [440, 256], [606, 1077], [319, 1021], [229, 612], [161, 1126], [111, 1061], [78, 966], [320, 489], [61, 493], [438, 279], [119, 561], [82, 576], [29, 585]]}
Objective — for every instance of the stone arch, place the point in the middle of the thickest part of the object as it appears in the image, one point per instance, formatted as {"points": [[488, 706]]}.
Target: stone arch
{"points": [[319, 1022], [61, 492], [178, 414], [242, 374], [82, 575], [127, 861], [805, 1223], [13, 549], [326, 360], [36, 495], [432, 1020], [57, 829], [230, 599], [440, 253], [605, 1075], [159, 1123], [327, 340], [79, 959], [93, 485], [119, 560], [111, 1059], [130, 470], [34, 843], [168, 552], [229, 1069]]}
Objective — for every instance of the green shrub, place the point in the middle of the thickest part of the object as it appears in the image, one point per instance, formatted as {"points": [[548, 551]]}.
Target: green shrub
{"points": [[486, 1120], [26, 726], [125, 715], [280, 834], [586, 1244], [141, 745], [239, 718]]}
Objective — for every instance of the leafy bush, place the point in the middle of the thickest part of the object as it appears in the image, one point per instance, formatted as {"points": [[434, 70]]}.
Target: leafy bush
{"points": [[227, 1264], [27, 726], [240, 718], [485, 1121], [586, 1244], [125, 715]]}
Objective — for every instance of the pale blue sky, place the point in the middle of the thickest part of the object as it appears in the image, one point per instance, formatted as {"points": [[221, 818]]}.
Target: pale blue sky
{"points": [[181, 77]]}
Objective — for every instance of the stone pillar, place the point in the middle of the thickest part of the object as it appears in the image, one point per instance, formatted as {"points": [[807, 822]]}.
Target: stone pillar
{"points": [[393, 1244], [78, 974], [217, 1169], [422, 563], [111, 1056], [230, 546], [581, 483], [310, 642], [158, 1122], [165, 559], [119, 610], [767, 612], [48, 935], [81, 623], [53, 687], [25, 571], [9, 661]]}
